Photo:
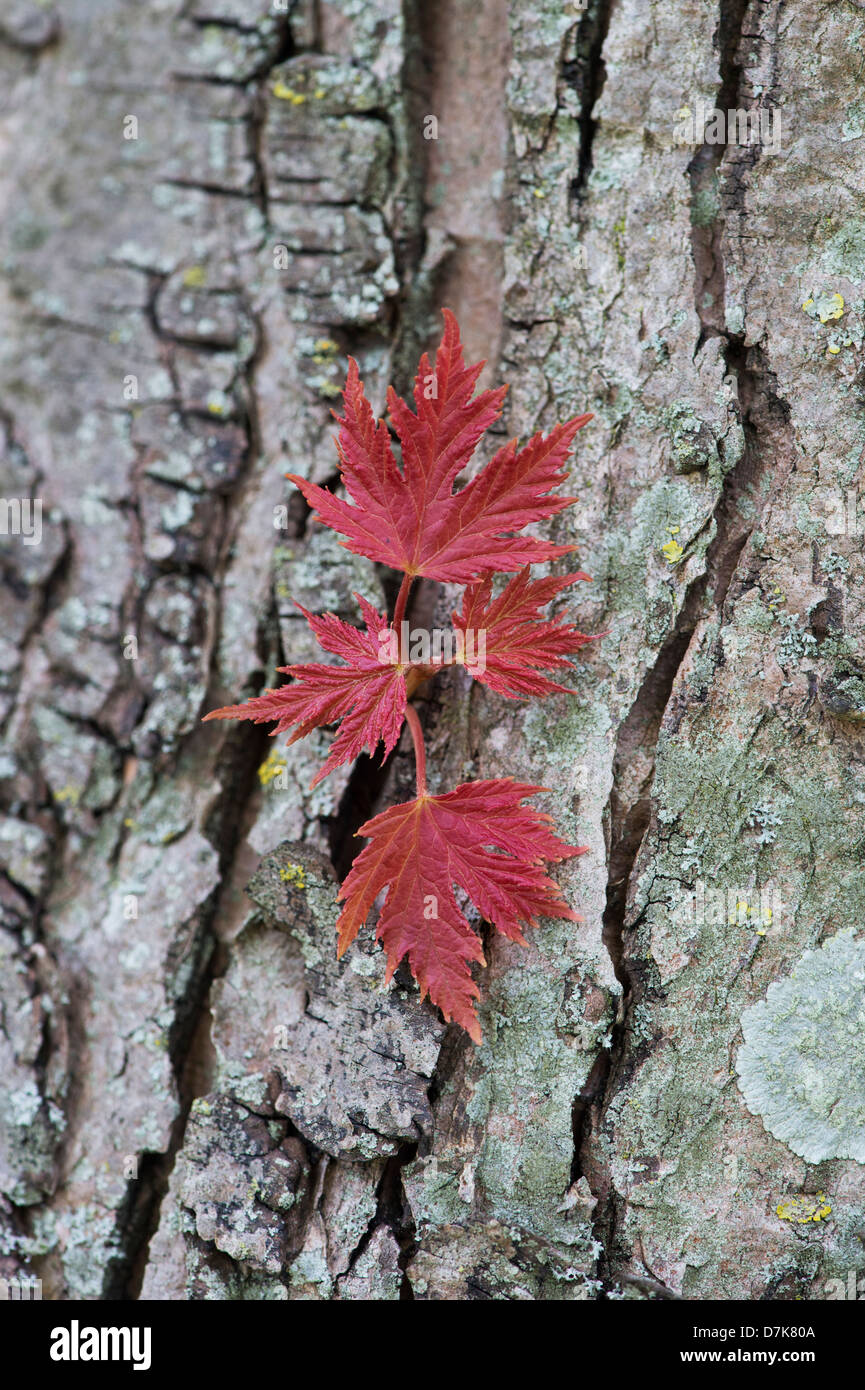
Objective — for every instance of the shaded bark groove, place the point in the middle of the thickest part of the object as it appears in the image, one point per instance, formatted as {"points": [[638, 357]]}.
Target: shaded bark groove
{"points": [[766, 460]]}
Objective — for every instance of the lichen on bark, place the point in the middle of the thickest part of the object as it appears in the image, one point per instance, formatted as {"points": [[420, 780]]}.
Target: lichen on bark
{"points": [[203, 1103]]}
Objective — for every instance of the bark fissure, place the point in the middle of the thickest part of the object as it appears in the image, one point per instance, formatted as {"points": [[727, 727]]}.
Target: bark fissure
{"points": [[586, 73], [767, 457], [244, 751], [366, 787]]}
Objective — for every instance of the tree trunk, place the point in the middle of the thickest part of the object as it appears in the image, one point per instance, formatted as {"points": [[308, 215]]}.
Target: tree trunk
{"points": [[649, 212]]}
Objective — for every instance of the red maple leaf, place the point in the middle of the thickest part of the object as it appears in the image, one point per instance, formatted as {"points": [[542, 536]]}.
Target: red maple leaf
{"points": [[506, 636], [481, 838], [368, 694], [410, 518]]}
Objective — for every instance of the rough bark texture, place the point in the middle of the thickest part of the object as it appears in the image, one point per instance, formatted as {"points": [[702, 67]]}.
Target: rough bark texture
{"points": [[205, 208]]}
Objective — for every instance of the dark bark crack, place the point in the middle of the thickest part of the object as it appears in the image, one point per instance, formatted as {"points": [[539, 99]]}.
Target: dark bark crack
{"points": [[768, 455], [586, 74]]}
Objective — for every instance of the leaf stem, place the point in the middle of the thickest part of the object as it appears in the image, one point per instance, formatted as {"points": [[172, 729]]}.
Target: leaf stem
{"points": [[419, 750], [399, 611]]}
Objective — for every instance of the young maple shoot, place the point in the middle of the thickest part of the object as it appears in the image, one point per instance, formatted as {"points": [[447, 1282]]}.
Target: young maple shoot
{"points": [[480, 836]]}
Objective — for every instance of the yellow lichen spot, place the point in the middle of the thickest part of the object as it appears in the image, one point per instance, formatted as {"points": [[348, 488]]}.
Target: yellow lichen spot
{"points": [[130, 823], [319, 93], [194, 277], [672, 552], [328, 389], [68, 795], [294, 874], [216, 407], [285, 93], [824, 307], [833, 350], [834, 309], [539, 193], [325, 345], [272, 766], [802, 1210]]}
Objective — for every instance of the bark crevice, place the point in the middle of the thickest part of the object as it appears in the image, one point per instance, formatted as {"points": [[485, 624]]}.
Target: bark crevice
{"points": [[767, 457]]}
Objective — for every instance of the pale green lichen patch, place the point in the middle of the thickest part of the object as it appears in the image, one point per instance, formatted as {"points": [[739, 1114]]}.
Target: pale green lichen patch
{"points": [[844, 250], [825, 306], [802, 1064], [843, 694], [692, 440], [706, 204]]}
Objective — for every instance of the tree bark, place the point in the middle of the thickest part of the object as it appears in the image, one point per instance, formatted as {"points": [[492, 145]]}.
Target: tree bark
{"points": [[646, 211]]}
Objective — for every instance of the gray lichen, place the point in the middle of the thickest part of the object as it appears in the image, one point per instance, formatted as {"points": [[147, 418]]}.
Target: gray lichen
{"points": [[803, 1061]]}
